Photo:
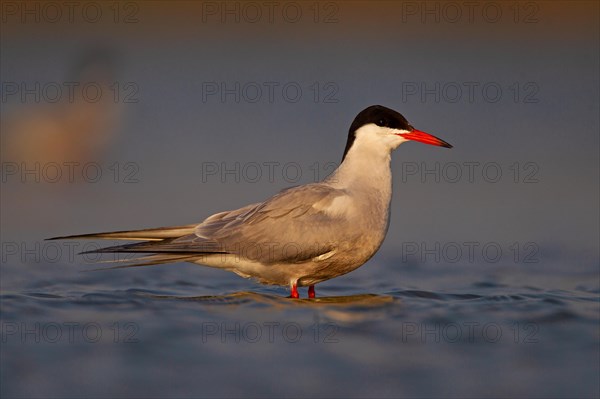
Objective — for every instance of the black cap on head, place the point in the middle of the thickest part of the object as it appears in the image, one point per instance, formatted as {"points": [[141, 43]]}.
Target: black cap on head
{"points": [[380, 116]]}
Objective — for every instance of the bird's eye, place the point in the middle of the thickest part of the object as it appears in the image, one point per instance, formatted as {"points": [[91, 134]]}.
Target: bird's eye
{"points": [[381, 122]]}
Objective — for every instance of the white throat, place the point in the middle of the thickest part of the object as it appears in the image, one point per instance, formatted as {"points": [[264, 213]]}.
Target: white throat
{"points": [[367, 163]]}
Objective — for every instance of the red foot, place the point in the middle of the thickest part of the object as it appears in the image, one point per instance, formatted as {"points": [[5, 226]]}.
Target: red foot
{"points": [[294, 292], [311, 291]]}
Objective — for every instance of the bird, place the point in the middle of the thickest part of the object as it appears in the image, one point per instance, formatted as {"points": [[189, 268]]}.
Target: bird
{"points": [[303, 235], [74, 128]]}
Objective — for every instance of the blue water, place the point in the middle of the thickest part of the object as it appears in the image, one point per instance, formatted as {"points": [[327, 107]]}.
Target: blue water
{"points": [[389, 329]]}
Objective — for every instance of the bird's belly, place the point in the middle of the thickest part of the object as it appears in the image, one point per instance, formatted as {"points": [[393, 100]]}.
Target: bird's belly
{"points": [[346, 257], [345, 261], [273, 274]]}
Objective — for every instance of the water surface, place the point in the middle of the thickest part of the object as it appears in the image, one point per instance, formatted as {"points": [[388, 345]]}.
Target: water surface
{"points": [[386, 330]]}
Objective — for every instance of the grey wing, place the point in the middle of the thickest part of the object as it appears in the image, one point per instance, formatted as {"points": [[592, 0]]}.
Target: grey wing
{"points": [[293, 226]]}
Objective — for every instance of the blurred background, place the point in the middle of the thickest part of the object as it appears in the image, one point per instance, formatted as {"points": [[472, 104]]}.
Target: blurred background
{"points": [[125, 115]]}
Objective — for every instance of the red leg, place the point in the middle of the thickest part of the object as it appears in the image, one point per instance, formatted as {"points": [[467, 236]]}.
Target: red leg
{"points": [[294, 291], [311, 291]]}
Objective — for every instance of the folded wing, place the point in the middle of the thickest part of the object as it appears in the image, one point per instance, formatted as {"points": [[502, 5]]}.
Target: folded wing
{"points": [[292, 226]]}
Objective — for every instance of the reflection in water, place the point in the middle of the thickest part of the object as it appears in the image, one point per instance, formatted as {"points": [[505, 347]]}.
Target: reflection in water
{"points": [[275, 300], [342, 309]]}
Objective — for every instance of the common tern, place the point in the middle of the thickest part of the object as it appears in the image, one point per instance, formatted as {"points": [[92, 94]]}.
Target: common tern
{"points": [[303, 235]]}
